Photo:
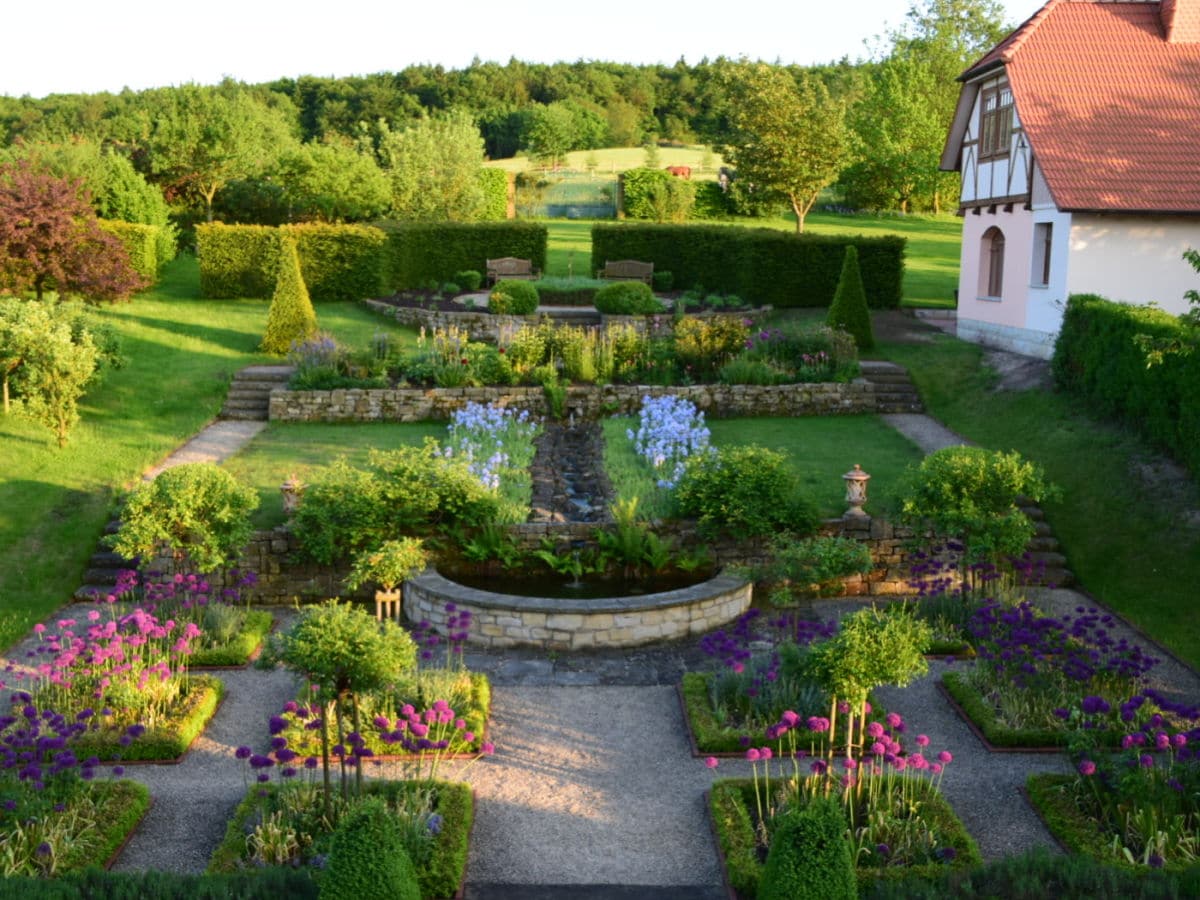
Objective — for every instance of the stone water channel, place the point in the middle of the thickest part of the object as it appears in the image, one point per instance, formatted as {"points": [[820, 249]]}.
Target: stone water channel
{"points": [[569, 481]]}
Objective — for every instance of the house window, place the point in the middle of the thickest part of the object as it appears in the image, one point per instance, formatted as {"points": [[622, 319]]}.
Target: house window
{"points": [[991, 264], [1043, 240], [996, 122]]}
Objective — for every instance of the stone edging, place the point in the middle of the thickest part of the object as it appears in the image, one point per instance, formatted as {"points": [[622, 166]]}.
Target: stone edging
{"points": [[505, 620]]}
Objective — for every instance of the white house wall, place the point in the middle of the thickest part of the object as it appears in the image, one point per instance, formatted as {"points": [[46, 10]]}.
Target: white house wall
{"points": [[1134, 259]]}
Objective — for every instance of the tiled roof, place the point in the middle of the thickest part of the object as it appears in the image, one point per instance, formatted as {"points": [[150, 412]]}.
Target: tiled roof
{"points": [[1111, 109]]}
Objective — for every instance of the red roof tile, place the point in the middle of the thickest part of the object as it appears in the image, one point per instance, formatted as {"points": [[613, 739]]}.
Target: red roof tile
{"points": [[1110, 107]]}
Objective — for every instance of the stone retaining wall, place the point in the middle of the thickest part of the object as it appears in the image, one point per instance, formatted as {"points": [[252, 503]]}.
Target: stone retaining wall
{"points": [[584, 401], [503, 620], [270, 556]]}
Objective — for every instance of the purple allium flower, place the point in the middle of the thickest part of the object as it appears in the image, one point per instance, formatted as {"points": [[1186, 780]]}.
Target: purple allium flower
{"points": [[258, 761], [487, 748], [818, 767], [883, 849], [922, 740], [310, 762], [818, 724], [276, 724], [752, 754], [243, 752], [894, 720], [875, 730], [44, 849], [1146, 761], [1155, 861]]}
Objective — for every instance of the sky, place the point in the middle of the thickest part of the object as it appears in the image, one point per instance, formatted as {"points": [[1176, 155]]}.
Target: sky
{"points": [[86, 46]]}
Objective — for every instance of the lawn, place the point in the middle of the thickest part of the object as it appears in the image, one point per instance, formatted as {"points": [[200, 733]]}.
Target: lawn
{"points": [[181, 353], [618, 159], [283, 449], [1122, 536], [820, 450], [930, 265]]}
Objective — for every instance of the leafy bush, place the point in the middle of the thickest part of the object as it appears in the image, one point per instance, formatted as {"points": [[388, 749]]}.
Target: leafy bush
{"points": [[1098, 359], [809, 856], [237, 260], [197, 510], [514, 298], [711, 202], [848, 311], [409, 490], [291, 316], [656, 194], [746, 491], [367, 859], [662, 281], [494, 183], [704, 345], [775, 267], [469, 279], [627, 298], [817, 560], [970, 494]]}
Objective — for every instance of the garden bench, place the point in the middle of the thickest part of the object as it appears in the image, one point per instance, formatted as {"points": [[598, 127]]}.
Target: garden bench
{"points": [[512, 268], [627, 270]]}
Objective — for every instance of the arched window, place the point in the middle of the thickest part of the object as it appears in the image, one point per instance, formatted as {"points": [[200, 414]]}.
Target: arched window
{"points": [[991, 263]]}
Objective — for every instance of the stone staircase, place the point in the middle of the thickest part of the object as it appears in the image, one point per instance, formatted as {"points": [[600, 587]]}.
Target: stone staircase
{"points": [[1049, 564], [250, 392], [102, 569], [894, 390]]}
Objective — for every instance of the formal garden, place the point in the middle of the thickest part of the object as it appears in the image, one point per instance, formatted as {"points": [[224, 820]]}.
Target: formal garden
{"points": [[822, 782]]}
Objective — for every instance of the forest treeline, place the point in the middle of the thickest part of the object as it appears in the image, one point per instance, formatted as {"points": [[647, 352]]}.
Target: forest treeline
{"points": [[203, 145]]}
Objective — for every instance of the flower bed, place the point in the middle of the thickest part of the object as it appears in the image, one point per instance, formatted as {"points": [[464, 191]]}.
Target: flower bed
{"points": [[469, 693], [732, 808], [86, 829], [170, 735], [241, 648], [1039, 679], [440, 873]]}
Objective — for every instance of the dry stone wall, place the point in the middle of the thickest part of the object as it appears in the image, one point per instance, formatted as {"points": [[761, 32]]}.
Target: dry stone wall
{"points": [[585, 401]]}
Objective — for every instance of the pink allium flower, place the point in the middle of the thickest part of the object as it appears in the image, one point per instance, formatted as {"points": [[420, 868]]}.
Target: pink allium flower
{"points": [[711, 762], [945, 757], [894, 720], [875, 730], [922, 740], [752, 754], [1087, 767]]}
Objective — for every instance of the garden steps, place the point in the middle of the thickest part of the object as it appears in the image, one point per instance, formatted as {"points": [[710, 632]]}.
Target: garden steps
{"points": [[1043, 550], [249, 396], [894, 390]]}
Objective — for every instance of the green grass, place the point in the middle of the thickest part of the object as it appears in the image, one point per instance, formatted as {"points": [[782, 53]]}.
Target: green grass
{"points": [[618, 159], [1121, 536], [820, 450], [930, 264], [282, 449], [182, 352]]}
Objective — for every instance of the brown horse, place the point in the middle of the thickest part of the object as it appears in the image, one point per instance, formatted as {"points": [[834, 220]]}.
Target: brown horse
{"points": [[684, 172]]}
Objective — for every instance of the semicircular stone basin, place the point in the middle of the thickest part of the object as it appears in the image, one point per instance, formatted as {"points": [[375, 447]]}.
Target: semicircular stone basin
{"points": [[506, 620]]}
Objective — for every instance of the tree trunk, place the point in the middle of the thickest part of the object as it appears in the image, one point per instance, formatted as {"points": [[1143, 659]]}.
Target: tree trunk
{"points": [[5, 392], [325, 764]]}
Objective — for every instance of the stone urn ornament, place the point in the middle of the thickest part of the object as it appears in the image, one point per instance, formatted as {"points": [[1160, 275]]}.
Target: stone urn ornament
{"points": [[856, 491]]}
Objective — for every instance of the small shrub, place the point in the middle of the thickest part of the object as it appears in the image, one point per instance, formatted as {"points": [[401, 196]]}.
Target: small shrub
{"points": [[663, 281], [366, 858], [469, 279], [970, 494], [389, 564], [848, 311], [291, 317], [197, 510], [809, 856], [817, 560], [702, 346], [746, 491], [627, 298], [514, 298]]}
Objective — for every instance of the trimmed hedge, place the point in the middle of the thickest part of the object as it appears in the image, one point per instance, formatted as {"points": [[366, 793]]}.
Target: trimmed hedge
{"points": [[419, 252], [339, 262], [760, 264], [1096, 359], [141, 243], [494, 183], [96, 884], [237, 260]]}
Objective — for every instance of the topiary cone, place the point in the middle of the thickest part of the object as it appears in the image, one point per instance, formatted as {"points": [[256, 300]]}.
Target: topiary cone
{"points": [[849, 311], [291, 316]]}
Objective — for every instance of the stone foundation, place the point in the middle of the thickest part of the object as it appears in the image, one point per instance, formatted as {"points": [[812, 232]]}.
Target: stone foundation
{"points": [[504, 620]]}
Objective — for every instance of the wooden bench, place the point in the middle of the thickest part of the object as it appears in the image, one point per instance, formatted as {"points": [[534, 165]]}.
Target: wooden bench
{"points": [[627, 270], [512, 268]]}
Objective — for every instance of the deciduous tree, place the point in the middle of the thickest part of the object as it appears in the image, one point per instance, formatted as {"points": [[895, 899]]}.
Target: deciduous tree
{"points": [[787, 136], [50, 240], [433, 165]]}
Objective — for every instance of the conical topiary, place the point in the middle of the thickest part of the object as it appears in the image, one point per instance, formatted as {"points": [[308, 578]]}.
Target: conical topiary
{"points": [[291, 316], [849, 308]]}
